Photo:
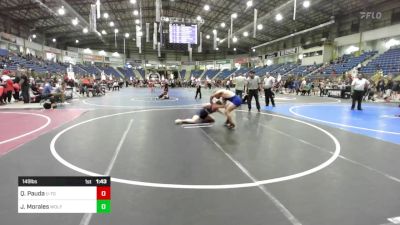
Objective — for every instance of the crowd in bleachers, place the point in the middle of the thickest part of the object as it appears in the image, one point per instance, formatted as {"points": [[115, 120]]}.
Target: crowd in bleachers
{"points": [[89, 79], [31, 79]]}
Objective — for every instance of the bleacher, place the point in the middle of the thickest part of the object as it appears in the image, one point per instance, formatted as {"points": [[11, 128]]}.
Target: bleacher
{"points": [[127, 72], [211, 73], [271, 68], [89, 69], [183, 74], [260, 71], [196, 73], [347, 63], [225, 73], [305, 69], [3, 52], [243, 70], [30, 64], [56, 67], [283, 69], [79, 70], [142, 73], [109, 70], [388, 62]]}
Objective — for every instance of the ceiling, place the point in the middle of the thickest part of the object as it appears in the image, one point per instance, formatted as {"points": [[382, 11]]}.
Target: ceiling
{"points": [[41, 17]]}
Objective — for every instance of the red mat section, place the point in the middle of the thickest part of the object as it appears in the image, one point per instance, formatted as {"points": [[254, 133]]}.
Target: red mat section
{"points": [[20, 127]]}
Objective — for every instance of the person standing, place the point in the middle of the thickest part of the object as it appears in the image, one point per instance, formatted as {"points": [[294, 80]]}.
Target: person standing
{"points": [[198, 89], [24, 84], [239, 85], [321, 86], [388, 89], [228, 85], [269, 82], [359, 85], [253, 87]]}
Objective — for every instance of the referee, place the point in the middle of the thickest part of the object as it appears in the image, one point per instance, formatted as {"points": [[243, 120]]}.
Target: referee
{"points": [[253, 86], [359, 85], [269, 83]]}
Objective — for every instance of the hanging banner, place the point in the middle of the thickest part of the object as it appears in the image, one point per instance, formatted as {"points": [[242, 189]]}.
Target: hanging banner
{"points": [[158, 10], [137, 39], [229, 38], [159, 49], [255, 24], [155, 36], [231, 26], [147, 32], [200, 48], [190, 52], [98, 9], [92, 18], [215, 40]]}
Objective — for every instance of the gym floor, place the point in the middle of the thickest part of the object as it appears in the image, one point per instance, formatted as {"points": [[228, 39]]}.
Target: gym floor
{"points": [[309, 161]]}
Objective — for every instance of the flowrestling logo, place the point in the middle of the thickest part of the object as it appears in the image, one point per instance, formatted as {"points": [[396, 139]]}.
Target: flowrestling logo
{"points": [[371, 15]]}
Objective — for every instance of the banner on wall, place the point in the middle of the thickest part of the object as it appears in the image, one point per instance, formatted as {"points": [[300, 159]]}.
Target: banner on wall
{"points": [[188, 63], [255, 60], [241, 60], [71, 54], [73, 49], [94, 58], [134, 61], [20, 41], [271, 55], [173, 63], [52, 50], [8, 37], [289, 51], [116, 60], [228, 61], [33, 45]]}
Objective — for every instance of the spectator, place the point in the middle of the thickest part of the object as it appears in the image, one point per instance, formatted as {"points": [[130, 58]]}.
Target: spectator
{"points": [[24, 84], [9, 89], [239, 86]]}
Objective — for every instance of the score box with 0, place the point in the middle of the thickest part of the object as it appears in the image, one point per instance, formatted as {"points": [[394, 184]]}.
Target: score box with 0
{"points": [[64, 195]]}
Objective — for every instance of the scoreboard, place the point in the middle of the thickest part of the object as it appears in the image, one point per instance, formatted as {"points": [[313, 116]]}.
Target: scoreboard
{"points": [[182, 34], [64, 195]]}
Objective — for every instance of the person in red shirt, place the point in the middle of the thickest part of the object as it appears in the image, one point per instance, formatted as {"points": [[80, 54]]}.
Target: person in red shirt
{"points": [[1, 94], [9, 88]]}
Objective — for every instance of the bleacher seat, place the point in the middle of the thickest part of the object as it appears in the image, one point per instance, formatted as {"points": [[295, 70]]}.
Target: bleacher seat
{"points": [[305, 69], [183, 74], [210, 73], [142, 73], [127, 72], [283, 69], [348, 63], [225, 73], [196, 73], [388, 62]]}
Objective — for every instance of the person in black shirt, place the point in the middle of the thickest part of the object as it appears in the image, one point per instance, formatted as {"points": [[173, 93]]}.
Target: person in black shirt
{"points": [[164, 95], [24, 83]]}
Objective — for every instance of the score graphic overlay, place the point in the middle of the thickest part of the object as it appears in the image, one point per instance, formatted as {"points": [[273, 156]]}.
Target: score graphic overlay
{"points": [[64, 195], [182, 34]]}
